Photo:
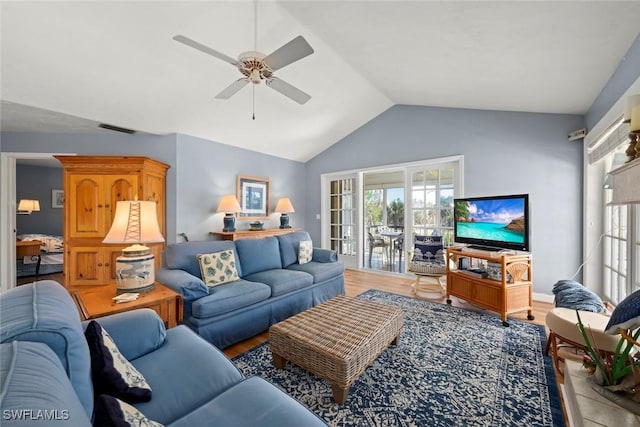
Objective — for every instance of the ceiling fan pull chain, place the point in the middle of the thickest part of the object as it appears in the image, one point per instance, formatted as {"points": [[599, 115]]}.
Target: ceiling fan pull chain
{"points": [[253, 87]]}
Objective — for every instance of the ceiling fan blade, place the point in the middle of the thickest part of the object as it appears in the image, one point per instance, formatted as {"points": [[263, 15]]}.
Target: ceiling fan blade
{"points": [[287, 90], [296, 49], [202, 48], [230, 90]]}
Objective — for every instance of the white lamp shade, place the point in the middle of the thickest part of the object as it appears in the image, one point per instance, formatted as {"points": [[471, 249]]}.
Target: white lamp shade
{"points": [[135, 222], [29, 205], [229, 204], [284, 206], [635, 119], [629, 103]]}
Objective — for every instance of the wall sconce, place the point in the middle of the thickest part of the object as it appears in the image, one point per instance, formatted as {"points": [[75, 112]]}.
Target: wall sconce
{"points": [[284, 207], [135, 222], [230, 206], [632, 116], [26, 206]]}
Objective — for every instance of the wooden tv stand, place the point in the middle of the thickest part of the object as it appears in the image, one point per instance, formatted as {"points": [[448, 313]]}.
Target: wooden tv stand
{"points": [[513, 291]]}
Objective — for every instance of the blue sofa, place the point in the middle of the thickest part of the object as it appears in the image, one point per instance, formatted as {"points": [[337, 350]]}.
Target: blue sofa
{"points": [[272, 285], [45, 369]]}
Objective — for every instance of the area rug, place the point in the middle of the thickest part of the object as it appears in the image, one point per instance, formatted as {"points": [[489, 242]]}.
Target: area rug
{"points": [[452, 367]]}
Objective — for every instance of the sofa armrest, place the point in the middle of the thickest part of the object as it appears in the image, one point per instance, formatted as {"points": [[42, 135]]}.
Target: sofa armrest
{"points": [[136, 332], [186, 284], [324, 255]]}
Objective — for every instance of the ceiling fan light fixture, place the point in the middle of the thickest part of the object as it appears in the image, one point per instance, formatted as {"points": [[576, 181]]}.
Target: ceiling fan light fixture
{"points": [[255, 76]]}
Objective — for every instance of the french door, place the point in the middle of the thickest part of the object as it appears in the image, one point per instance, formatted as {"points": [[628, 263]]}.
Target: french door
{"points": [[340, 226]]}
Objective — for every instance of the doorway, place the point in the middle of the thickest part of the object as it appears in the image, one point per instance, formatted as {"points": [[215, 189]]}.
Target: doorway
{"points": [[392, 204]]}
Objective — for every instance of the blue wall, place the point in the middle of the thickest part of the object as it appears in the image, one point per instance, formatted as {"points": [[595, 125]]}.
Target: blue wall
{"points": [[627, 72], [504, 153], [36, 183], [208, 170], [200, 173]]}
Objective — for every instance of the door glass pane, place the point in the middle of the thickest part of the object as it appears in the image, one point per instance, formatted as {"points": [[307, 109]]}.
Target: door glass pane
{"points": [[342, 209], [432, 202]]}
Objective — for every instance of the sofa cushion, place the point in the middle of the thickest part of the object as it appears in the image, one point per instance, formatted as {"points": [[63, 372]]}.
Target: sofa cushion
{"points": [[253, 402], [282, 281], [321, 271], [34, 383], [112, 412], [183, 255], [228, 297], [111, 372], [258, 255], [185, 373], [289, 246], [44, 312], [218, 268], [305, 251]]}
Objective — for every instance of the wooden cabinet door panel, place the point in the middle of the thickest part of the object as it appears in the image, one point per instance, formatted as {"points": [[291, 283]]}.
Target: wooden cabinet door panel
{"points": [[118, 188], [488, 296], [460, 287], [85, 265], [85, 206]]}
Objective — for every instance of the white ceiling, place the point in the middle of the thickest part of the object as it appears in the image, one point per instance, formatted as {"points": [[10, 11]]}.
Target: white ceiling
{"points": [[82, 63]]}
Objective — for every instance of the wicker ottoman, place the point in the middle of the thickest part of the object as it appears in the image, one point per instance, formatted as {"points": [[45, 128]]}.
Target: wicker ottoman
{"points": [[336, 340]]}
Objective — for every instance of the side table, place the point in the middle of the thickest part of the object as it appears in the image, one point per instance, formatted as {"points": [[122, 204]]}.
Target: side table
{"points": [[98, 301]]}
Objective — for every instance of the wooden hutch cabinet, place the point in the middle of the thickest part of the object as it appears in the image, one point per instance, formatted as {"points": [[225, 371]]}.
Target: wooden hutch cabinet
{"points": [[92, 187]]}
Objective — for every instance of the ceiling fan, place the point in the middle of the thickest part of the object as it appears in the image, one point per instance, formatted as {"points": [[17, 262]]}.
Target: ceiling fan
{"points": [[257, 66]]}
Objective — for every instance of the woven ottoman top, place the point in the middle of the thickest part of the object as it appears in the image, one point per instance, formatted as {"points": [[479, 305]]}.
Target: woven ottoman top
{"points": [[341, 326]]}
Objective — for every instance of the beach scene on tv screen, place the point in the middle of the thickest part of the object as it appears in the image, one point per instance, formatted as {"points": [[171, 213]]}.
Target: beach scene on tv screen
{"points": [[498, 219]]}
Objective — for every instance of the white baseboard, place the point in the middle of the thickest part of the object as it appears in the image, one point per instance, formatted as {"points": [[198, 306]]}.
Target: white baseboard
{"points": [[543, 297]]}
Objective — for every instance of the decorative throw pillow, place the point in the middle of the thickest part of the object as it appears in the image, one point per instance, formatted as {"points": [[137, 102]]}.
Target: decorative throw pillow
{"points": [[428, 248], [111, 373], [305, 252], [218, 268], [626, 314], [112, 412], [573, 295]]}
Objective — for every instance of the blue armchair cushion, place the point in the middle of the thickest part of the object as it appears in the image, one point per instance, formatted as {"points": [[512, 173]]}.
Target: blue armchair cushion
{"points": [[258, 255], [33, 379], [111, 372], [305, 251], [218, 268], [45, 312], [112, 412], [573, 295]]}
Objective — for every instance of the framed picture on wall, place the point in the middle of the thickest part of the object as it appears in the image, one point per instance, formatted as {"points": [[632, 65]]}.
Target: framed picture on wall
{"points": [[253, 195], [57, 198]]}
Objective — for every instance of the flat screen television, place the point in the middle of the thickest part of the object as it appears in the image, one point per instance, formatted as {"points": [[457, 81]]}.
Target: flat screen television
{"points": [[493, 223]]}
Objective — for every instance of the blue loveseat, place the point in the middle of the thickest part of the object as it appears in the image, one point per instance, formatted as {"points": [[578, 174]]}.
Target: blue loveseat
{"points": [[272, 285], [45, 369]]}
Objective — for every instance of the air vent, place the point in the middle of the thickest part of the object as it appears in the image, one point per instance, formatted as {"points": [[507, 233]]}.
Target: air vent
{"points": [[116, 128]]}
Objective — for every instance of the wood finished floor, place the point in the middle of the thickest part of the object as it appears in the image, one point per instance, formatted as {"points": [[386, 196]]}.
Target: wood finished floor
{"points": [[357, 282]]}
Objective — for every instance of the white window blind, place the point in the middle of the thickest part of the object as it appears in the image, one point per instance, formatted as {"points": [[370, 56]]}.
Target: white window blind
{"points": [[612, 138]]}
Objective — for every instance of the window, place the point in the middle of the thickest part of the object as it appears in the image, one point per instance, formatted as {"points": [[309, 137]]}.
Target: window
{"points": [[432, 193], [621, 251]]}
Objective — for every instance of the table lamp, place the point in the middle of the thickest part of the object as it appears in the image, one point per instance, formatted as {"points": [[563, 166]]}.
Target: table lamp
{"points": [[230, 206], [284, 207], [26, 206], [135, 222]]}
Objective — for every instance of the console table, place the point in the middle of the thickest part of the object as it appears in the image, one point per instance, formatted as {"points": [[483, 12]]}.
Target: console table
{"points": [[251, 234], [509, 292]]}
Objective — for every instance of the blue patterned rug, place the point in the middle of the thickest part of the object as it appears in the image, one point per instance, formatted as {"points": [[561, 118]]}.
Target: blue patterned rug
{"points": [[453, 367]]}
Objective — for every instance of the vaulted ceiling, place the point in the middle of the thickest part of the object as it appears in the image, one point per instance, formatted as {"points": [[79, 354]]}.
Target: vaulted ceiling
{"points": [[67, 66]]}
